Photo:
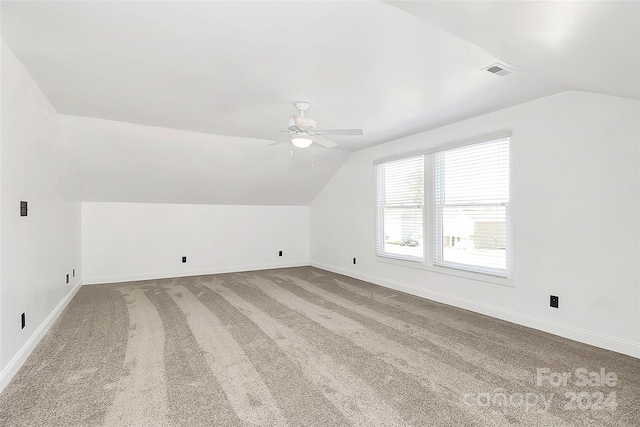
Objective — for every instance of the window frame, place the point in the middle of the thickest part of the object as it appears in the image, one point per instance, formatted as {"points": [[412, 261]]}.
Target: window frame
{"points": [[380, 230], [427, 263]]}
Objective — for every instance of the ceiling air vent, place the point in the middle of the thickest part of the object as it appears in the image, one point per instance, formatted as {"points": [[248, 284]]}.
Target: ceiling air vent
{"points": [[498, 69]]}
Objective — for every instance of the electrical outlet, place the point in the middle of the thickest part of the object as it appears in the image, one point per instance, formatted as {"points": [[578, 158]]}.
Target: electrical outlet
{"points": [[184, 259], [23, 320], [67, 278], [354, 261], [280, 253], [23, 208], [553, 301]]}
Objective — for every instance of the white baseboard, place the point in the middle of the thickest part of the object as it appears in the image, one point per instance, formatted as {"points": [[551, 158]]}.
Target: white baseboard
{"points": [[94, 280], [23, 354], [596, 339]]}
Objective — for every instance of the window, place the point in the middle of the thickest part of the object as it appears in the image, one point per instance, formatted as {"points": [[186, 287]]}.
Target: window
{"points": [[465, 223], [471, 206], [400, 203]]}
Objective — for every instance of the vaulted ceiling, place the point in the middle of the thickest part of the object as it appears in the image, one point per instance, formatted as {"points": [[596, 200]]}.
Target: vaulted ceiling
{"points": [[391, 68]]}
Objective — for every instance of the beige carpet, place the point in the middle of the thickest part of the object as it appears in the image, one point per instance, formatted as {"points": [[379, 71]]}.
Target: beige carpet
{"points": [[302, 347]]}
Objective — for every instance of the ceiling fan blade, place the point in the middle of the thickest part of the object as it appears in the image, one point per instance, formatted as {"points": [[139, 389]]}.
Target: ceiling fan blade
{"points": [[280, 141], [352, 132], [301, 122], [265, 130], [324, 142]]}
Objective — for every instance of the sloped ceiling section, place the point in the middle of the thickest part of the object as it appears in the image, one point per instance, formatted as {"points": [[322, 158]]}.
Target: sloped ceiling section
{"points": [[235, 67], [123, 162]]}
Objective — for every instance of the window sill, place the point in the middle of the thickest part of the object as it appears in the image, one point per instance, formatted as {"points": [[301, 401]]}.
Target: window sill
{"points": [[503, 281]]}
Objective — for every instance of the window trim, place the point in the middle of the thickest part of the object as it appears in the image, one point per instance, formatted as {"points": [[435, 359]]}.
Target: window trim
{"points": [[473, 139], [426, 263], [449, 271]]}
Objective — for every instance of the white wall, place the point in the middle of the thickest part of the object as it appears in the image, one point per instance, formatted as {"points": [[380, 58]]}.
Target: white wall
{"points": [[576, 163], [37, 251], [132, 241]]}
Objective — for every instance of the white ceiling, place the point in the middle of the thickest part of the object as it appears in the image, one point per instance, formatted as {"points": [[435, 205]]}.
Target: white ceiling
{"points": [[592, 46], [231, 67], [160, 100]]}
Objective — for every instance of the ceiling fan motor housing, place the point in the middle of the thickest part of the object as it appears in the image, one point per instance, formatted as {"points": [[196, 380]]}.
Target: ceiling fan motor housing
{"points": [[311, 125]]}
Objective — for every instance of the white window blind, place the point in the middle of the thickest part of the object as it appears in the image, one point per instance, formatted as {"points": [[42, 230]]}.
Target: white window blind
{"points": [[471, 207], [400, 204]]}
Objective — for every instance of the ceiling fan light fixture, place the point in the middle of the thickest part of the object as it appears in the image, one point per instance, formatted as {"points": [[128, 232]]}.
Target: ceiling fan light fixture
{"points": [[301, 142]]}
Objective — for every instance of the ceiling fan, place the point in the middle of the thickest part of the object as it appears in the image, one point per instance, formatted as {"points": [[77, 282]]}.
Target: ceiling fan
{"points": [[302, 130]]}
